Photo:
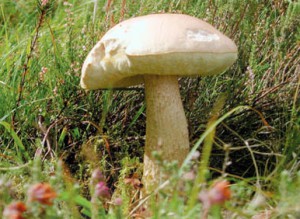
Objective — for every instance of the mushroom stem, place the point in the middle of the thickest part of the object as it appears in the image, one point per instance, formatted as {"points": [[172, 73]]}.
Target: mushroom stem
{"points": [[166, 130]]}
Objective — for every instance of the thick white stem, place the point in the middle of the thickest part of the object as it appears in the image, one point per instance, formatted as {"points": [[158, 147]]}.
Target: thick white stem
{"points": [[166, 127]]}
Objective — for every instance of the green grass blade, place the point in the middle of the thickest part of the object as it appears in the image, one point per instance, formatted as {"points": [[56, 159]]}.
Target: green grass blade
{"points": [[136, 116], [206, 152], [21, 149]]}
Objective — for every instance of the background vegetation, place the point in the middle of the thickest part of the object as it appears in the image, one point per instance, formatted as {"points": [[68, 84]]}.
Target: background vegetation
{"points": [[53, 131]]}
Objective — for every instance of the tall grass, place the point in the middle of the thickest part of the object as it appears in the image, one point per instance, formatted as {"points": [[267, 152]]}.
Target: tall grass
{"points": [[46, 116]]}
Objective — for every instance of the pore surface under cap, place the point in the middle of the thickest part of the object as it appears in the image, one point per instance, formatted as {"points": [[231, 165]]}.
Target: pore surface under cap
{"points": [[158, 44]]}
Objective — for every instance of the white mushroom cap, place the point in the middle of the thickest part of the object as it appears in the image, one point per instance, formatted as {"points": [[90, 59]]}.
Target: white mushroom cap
{"points": [[158, 44]]}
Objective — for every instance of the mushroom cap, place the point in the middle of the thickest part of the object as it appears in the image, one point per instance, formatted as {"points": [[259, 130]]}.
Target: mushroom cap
{"points": [[156, 44]]}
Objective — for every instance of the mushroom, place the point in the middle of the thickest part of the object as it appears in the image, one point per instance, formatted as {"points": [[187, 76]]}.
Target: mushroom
{"points": [[156, 50]]}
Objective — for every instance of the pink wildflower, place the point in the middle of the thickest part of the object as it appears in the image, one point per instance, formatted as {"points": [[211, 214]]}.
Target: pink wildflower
{"points": [[102, 191], [42, 193], [14, 210], [216, 195], [118, 201], [44, 2], [97, 175]]}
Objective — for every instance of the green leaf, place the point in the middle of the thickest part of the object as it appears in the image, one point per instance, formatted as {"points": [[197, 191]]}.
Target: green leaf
{"points": [[78, 199]]}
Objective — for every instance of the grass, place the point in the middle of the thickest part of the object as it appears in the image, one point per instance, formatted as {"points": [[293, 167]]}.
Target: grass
{"points": [[52, 131]]}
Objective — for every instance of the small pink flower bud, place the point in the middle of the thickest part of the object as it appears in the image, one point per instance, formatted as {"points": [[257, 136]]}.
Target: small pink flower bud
{"points": [[42, 193], [118, 201], [44, 2], [189, 176], [98, 176], [216, 195], [14, 210], [102, 191]]}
